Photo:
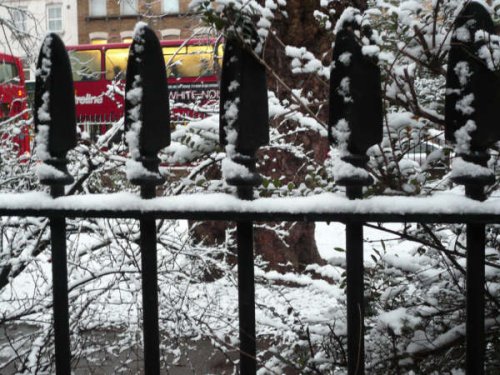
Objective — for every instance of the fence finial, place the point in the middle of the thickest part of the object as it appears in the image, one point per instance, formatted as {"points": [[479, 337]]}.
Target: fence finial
{"points": [[147, 113], [356, 113], [244, 114], [54, 112], [472, 107], [472, 83]]}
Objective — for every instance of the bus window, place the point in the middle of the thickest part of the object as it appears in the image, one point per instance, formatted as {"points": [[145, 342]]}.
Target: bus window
{"points": [[86, 65], [8, 73], [189, 62], [201, 60], [116, 63], [173, 60]]}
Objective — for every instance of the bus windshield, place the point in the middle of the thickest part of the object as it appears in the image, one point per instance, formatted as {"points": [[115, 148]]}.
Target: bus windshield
{"points": [[8, 72], [86, 65], [116, 63]]}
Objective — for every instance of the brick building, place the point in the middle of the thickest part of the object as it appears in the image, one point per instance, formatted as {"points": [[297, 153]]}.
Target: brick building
{"points": [[113, 21], [27, 21]]}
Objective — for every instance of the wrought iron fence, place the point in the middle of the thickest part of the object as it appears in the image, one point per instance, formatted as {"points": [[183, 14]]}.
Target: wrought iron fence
{"points": [[147, 123]]}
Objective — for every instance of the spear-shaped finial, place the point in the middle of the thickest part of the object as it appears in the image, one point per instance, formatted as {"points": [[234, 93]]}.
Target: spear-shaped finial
{"points": [[54, 112], [356, 113], [244, 114], [472, 107], [147, 114]]}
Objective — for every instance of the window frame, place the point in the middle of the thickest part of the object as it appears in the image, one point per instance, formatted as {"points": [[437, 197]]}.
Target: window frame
{"points": [[49, 19], [93, 14]]}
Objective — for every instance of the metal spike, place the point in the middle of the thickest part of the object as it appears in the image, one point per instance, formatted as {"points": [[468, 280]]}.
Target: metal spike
{"points": [[243, 99], [55, 119], [469, 77], [146, 102], [361, 104]]}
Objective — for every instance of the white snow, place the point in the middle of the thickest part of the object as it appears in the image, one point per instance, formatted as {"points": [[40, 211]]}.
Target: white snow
{"points": [[345, 58], [230, 169], [463, 138], [135, 169], [341, 169], [327, 203], [397, 319], [349, 15], [464, 105], [461, 168], [42, 142], [370, 50], [132, 136], [45, 171]]}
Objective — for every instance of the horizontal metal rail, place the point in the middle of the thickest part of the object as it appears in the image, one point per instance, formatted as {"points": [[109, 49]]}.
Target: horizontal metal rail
{"points": [[325, 207]]}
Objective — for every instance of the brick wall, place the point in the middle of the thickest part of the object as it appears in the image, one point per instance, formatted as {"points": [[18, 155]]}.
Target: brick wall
{"points": [[149, 11]]}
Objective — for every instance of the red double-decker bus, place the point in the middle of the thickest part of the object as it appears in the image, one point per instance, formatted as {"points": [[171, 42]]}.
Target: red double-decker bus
{"points": [[14, 103], [99, 80]]}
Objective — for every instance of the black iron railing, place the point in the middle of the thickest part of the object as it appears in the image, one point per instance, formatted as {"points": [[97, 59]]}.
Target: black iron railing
{"points": [[245, 130]]}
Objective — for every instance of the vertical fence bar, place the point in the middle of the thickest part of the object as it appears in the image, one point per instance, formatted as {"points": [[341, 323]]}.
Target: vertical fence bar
{"points": [[60, 289], [246, 298], [475, 335], [246, 290], [246, 276], [150, 289], [355, 292]]}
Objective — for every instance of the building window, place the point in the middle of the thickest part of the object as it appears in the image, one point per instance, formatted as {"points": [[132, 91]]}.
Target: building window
{"points": [[97, 8], [19, 19], [54, 18], [171, 6], [128, 7]]}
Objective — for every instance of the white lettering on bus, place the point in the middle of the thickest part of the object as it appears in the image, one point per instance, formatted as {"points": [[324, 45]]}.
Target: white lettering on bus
{"points": [[89, 99], [194, 95]]}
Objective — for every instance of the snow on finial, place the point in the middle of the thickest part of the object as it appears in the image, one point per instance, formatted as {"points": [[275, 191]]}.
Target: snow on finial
{"points": [[463, 138], [44, 70], [369, 39], [350, 16], [134, 95], [132, 136], [139, 30], [42, 136], [43, 112], [461, 167]]}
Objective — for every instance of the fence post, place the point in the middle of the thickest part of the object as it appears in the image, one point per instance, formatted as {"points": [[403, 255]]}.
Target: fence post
{"points": [[147, 121], [473, 128], [244, 127], [355, 124], [55, 124]]}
